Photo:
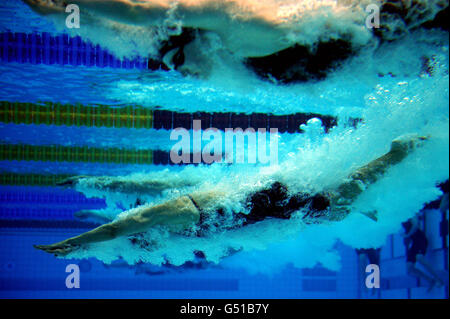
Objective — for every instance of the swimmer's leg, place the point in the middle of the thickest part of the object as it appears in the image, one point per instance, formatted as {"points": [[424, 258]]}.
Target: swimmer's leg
{"points": [[177, 214]]}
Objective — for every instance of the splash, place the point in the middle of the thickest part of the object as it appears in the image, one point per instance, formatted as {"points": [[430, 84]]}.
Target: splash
{"points": [[396, 88], [400, 96]]}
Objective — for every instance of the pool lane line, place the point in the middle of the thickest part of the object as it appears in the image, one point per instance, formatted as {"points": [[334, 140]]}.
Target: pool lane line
{"points": [[14, 179], [17, 153], [86, 154], [52, 196], [48, 49], [45, 224], [138, 117], [49, 113], [57, 153]]}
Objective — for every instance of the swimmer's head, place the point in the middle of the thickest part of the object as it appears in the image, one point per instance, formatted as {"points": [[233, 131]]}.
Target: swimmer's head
{"points": [[320, 202]]}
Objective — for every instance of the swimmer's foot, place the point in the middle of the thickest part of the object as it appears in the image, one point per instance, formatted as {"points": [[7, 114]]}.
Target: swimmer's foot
{"points": [[408, 142], [58, 249]]}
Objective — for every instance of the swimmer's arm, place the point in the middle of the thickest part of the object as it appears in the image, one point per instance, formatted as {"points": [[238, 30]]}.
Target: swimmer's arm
{"points": [[347, 192], [370, 173]]}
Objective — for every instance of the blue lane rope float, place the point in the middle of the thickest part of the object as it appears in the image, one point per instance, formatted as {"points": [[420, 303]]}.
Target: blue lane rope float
{"points": [[37, 213], [46, 223], [60, 49], [15, 196]]}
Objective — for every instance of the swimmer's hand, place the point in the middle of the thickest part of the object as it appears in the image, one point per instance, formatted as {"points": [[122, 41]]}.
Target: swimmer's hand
{"points": [[408, 142], [59, 249]]}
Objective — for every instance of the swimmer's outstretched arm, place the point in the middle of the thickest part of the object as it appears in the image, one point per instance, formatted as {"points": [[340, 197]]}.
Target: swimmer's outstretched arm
{"points": [[146, 185], [347, 192], [177, 214]]}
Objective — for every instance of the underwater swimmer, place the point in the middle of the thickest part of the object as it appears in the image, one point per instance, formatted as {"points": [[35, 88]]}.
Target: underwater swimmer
{"points": [[270, 38], [246, 33], [192, 210]]}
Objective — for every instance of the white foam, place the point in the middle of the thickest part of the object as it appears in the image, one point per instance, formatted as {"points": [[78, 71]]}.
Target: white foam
{"points": [[410, 101]]}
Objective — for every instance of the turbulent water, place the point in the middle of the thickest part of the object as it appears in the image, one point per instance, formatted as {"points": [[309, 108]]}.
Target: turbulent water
{"points": [[388, 85]]}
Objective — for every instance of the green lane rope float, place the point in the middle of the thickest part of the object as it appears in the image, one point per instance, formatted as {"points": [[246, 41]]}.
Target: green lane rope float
{"points": [[57, 153], [76, 115]]}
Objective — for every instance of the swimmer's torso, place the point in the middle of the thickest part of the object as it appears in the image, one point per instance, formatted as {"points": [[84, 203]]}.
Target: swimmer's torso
{"points": [[272, 202]]}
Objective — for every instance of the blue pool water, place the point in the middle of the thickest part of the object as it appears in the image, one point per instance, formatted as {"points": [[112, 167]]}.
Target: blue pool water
{"points": [[375, 96]]}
